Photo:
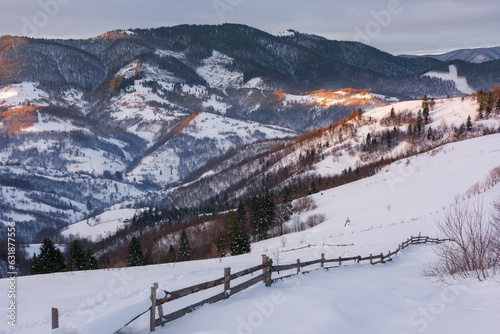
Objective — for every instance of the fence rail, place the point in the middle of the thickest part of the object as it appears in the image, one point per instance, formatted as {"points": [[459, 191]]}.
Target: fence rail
{"points": [[265, 277]]}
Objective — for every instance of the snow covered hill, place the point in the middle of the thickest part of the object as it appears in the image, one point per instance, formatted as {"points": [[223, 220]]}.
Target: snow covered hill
{"points": [[403, 199], [120, 116]]}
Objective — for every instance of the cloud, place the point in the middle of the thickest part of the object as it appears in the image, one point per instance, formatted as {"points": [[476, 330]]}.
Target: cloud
{"points": [[419, 26]]}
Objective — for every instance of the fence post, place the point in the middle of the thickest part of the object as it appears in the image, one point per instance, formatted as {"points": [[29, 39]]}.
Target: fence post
{"points": [[269, 271], [227, 282], [322, 260], [382, 257], [55, 318], [298, 266], [340, 261], [371, 259], [264, 269], [152, 313]]}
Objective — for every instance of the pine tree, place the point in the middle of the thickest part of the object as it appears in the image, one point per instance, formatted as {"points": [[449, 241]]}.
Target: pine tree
{"points": [[239, 242], [262, 214], [241, 216], [419, 121], [368, 140], [91, 261], [287, 204], [432, 104], [469, 123], [360, 113], [184, 247], [393, 112], [171, 256], [50, 260], [425, 113], [77, 258], [135, 255]]}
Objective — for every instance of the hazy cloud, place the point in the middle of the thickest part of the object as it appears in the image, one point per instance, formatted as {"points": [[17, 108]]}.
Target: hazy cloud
{"points": [[396, 26]]}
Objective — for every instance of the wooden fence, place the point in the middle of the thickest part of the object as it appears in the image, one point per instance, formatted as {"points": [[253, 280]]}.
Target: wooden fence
{"points": [[267, 269]]}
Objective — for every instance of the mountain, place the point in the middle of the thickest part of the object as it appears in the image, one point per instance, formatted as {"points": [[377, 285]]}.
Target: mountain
{"points": [[130, 117], [478, 55], [384, 210]]}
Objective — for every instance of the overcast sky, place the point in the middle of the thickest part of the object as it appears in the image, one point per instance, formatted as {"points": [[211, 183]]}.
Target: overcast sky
{"points": [[395, 26]]}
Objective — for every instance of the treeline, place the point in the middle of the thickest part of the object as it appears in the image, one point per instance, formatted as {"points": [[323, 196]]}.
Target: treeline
{"points": [[488, 101], [51, 259]]}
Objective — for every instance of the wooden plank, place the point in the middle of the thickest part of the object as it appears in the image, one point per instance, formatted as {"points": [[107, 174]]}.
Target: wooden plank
{"points": [[246, 271], [218, 297], [284, 267], [310, 263], [206, 285], [172, 295]]}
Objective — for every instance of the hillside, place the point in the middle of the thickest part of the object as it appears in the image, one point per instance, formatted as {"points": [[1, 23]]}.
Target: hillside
{"points": [[340, 151], [403, 199], [131, 118]]}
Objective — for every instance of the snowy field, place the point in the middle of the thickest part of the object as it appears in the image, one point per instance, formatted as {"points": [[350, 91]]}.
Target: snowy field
{"points": [[404, 199]]}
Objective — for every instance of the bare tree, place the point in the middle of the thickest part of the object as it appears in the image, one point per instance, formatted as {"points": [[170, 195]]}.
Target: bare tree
{"points": [[472, 249]]}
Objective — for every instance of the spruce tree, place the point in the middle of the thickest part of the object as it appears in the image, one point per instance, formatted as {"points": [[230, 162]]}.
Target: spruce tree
{"points": [[135, 255], [262, 214], [287, 204], [239, 242], [426, 113], [469, 123], [91, 263], [184, 247], [50, 260], [241, 216], [171, 256], [360, 113], [77, 258]]}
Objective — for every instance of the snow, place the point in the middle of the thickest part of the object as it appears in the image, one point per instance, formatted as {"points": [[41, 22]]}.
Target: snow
{"points": [[100, 226], [219, 127], [217, 105], [460, 82], [215, 73], [327, 99], [16, 94], [163, 165], [286, 33], [257, 83], [452, 112], [129, 70], [52, 124], [403, 199], [169, 53]]}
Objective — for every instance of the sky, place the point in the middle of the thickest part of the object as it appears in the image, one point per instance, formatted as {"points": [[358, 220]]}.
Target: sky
{"points": [[395, 26]]}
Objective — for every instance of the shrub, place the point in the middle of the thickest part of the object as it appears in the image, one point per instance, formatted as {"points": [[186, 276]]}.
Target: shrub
{"points": [[473, 248], [304, 204]]}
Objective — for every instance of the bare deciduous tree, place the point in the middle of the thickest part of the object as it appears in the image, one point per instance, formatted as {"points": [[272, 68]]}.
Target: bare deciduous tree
{"points": [[472, 249]]}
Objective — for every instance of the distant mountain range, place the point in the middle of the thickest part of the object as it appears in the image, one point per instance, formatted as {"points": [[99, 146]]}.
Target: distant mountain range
{"points": [[86, 124], [479, 55]]}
